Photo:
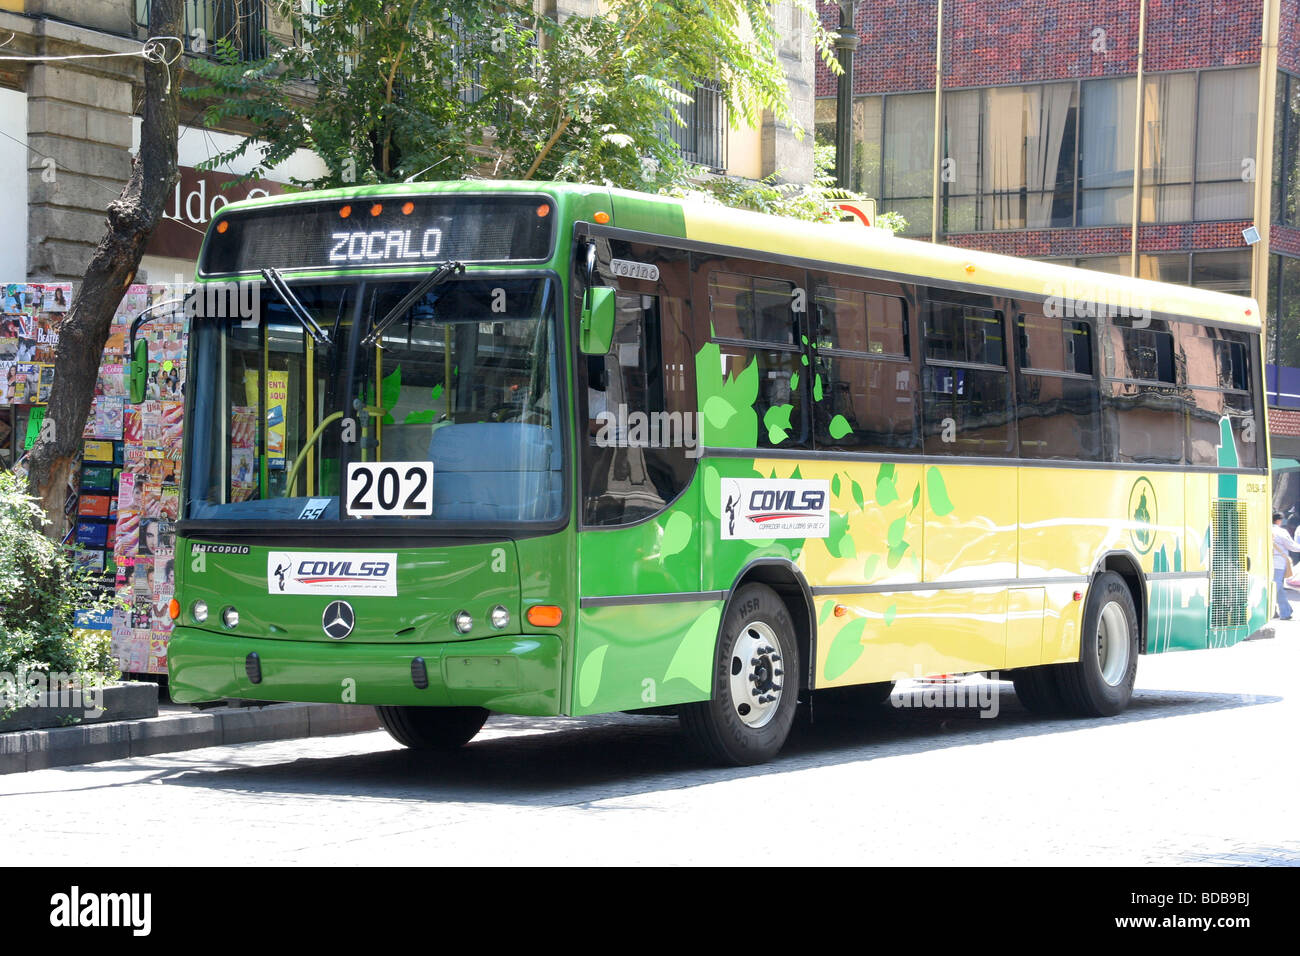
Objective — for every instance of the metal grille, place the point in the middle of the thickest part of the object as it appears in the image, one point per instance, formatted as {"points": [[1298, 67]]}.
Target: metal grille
{"points": [[703, 140], [1229, 584], [240, 22]]}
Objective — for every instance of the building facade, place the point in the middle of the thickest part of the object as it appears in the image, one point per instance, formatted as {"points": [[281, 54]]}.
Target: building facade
{"points": [[69, 128], [1039, 154]]}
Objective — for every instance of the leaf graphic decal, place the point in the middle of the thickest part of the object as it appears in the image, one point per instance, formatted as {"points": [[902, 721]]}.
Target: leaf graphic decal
{"points": [[589, 677], [845, 649], [890, 613], [873, 562], [835, 485], [886, 491], [777, 422], [839, 427], [937, 492], [817, 391], [858, 496], [677, 534], [693, 659], [718, 411]]}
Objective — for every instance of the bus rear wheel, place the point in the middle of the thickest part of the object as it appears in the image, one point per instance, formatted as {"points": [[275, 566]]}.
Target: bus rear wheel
{"points": [[432, 728], [1036, 689], [755, 682], [1100, 683]]}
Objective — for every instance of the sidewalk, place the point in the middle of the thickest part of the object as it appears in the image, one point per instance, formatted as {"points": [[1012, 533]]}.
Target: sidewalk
{"points": [[177, 727]]}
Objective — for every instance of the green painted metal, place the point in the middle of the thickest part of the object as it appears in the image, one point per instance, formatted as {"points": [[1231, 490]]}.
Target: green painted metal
{"points": [[518, 674]]}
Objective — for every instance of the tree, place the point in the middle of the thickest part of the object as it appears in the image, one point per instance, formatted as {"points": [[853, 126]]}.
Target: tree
{"points": [[84, 331], [385, 90]]}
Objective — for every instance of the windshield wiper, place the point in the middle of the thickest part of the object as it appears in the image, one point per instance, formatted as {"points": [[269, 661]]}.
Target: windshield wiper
{"points": [[436, 278], [295, 306]]}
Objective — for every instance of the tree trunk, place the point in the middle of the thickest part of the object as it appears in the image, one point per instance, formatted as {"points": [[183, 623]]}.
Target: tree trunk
{"points": [[84, 331]]}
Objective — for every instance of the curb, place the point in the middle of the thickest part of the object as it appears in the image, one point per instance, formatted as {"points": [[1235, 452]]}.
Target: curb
{"points": [[171, 733]]}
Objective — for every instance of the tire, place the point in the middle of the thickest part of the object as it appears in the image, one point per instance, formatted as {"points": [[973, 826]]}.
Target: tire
{"points": [[1100, 683], [432, 728], [756, 659], [1037, 689]]}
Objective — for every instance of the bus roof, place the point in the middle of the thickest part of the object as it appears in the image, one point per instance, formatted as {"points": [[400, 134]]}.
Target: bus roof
{"points": [[841, 243]]}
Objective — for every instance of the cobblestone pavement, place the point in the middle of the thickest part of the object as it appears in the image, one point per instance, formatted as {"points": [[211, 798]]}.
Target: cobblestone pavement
{"points": [[1202, 768]]}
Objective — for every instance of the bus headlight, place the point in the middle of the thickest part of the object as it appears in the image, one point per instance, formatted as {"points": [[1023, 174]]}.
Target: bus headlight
{"points": [[500, 616], [199, 611], [230, 618], [463, 621]]}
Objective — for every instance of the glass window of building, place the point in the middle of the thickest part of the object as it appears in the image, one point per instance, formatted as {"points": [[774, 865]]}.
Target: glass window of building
{"points": [[867, 114], [1009, 157], [1284, 311], [1168, 118], [1166, 268], [1286, 151], [908, 163], [1225, 144], [1222, 271], [1106, 151]]}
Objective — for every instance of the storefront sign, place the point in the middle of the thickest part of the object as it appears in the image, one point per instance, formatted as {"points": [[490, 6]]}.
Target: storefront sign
{"points": [[195, 199]]}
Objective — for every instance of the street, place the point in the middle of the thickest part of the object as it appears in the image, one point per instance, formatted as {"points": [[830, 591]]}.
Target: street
{"points": [[1200, 769]]}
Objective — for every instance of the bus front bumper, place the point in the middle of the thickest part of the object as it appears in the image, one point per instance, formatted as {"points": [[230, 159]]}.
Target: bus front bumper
{"points": [[518, 674]]}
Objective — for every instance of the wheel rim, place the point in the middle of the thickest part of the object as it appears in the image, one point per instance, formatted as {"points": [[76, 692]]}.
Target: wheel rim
{"points": [[757, 676], [1113, 645]]}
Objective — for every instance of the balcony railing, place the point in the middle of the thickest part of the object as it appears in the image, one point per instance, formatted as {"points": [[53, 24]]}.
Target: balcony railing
{"points": [[703, 140], [240, 22]]}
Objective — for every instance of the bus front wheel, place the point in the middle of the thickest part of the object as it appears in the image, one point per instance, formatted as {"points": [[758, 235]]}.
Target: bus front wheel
{"points": [[1100, 683], [432, 728], [755, 682]]}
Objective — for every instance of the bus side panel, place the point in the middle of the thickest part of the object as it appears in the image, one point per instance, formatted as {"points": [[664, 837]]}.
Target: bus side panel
{"points": [[631, 655]]}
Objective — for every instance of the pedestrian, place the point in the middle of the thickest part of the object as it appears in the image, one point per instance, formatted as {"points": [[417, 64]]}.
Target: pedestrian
{"points": [[1283, 544]]}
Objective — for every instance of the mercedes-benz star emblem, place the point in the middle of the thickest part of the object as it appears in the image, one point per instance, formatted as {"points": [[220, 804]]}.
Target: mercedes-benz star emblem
{"points": [[338, 620]]}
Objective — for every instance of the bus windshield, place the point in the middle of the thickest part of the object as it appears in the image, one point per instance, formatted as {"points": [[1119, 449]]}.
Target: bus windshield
{"points": [[462, 380]]}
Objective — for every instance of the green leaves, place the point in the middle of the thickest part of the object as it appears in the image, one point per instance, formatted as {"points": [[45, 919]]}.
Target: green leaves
{"points": [[493, 90]]}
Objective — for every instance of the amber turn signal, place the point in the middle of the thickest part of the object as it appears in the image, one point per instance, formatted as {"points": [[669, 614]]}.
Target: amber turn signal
{"points": [[174, 608], [601, 217], [544, 615], [840, 610]]}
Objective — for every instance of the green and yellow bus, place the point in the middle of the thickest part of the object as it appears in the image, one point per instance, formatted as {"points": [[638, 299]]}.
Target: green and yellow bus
{"points": [[555, 449]]}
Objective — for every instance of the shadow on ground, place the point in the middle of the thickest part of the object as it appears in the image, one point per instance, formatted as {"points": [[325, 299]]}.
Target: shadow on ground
{"points": [[541, 762]]}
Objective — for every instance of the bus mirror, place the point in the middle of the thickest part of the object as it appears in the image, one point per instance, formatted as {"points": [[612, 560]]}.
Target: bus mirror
{"points": [[597, 332], [139, 373]]}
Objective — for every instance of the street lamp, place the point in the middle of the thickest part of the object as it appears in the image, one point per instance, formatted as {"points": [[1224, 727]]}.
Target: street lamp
{"points": [[846, 43]]}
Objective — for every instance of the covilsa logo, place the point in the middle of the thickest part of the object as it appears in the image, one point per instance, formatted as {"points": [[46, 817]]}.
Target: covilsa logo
{"points": [[76, 909]]}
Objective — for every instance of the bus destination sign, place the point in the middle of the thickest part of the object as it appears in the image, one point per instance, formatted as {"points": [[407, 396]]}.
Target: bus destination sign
{"points": [[397, 231]]}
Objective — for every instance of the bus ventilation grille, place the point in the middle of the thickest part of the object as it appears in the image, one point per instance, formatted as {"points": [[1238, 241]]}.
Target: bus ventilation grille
{"points": [[1229, 583]]}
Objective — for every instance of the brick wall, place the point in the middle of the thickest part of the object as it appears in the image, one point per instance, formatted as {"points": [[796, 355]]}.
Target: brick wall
{"points": [[1106, 240], [1005, 42], [1288, 47], [1204, 33], [1284, 240], [1283, 422]]}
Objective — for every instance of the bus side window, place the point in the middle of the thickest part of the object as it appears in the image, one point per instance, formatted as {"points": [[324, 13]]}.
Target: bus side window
{"points": [[753, 321], [863, 359], [1057, 409], [634, 454], [1143, 406], [965, 382], [1218, 385]]}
